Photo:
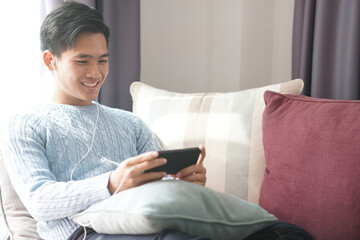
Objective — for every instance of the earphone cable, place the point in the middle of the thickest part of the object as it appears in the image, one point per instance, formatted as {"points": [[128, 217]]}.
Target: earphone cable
{"points": [[63, 113], [92, 142]]}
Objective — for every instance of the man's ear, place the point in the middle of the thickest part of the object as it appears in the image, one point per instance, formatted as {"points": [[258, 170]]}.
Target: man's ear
{"points": [[49, 57]]}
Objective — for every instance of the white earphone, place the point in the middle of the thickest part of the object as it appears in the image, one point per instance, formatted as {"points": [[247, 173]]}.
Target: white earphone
{"points": [[95, 125], [52, 64]]}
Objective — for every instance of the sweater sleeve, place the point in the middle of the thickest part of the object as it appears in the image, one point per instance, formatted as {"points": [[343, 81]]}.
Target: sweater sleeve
{"points": [[146, 139], [44, 197]]}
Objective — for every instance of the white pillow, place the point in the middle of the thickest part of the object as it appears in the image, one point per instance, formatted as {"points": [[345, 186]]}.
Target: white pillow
{"points": [[228, 124], [180, 205], [17, 220], [4, 234]]}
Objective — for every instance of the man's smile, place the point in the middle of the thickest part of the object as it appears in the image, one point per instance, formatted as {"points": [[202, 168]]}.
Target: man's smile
{"points": [[86, 84]]}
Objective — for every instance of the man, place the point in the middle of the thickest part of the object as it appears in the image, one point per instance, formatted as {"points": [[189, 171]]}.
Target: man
{"points": [[67, 155]]}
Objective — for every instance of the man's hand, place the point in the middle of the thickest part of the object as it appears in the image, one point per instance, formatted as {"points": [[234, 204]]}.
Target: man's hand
{"points": [[195, 173], [130, 173]]}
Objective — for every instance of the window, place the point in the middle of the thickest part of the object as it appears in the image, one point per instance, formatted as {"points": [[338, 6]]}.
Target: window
{"points": [[24, 80]]}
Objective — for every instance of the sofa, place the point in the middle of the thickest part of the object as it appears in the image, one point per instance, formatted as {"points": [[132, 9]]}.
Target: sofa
{"points": [[291, 155]]}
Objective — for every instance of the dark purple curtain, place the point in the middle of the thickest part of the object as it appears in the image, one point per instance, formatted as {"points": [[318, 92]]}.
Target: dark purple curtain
{"points": [[123, 19], [326, 47], [51, 4]]}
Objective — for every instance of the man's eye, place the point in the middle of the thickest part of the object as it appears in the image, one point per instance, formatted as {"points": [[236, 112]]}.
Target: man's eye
{"points": [[81, 62], [103, 61]]}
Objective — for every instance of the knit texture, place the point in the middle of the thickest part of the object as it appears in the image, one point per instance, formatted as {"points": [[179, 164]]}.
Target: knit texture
{"points": [[43, 147]]}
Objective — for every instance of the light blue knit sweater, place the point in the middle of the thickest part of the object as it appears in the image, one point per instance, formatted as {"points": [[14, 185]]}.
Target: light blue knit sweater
{"points": [[43, 147]]}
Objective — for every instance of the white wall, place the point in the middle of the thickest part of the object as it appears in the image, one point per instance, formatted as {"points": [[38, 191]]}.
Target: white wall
{"points": [[215, 45]]}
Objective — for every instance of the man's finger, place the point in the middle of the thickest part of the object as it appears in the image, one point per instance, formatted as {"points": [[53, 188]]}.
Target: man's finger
{"points": [[202, 154], [142, 157], [193, 169], [146, 165], [196, 178]]}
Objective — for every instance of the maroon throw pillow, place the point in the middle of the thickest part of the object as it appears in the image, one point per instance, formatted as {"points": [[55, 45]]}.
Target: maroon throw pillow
{"points": [[312, 152]]}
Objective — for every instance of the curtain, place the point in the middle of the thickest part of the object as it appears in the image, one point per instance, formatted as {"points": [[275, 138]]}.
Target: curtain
{"points": [[123, 19], [51, 4], [326, 47]]}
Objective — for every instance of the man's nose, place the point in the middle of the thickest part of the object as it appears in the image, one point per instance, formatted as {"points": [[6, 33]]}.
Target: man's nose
{"points": [[93, 71]]}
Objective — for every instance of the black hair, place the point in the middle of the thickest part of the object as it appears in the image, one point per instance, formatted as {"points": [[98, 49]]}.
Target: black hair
{"points": [[63, 25]]}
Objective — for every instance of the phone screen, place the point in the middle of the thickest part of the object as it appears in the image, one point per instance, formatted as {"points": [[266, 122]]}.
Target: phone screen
{"points": [[177, 159]]}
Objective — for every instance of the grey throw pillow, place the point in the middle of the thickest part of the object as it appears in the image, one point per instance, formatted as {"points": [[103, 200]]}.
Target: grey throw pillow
{"points": [[180, 205]]}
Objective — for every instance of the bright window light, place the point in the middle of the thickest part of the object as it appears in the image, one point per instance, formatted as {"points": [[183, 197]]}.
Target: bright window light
{"points": [[24, 80]]}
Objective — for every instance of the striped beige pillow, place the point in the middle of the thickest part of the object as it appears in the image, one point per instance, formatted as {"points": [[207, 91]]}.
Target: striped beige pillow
{"points": [[228, 124]]}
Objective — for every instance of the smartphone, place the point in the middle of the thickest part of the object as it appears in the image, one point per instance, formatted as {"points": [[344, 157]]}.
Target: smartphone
{"points": [[177, 159]]}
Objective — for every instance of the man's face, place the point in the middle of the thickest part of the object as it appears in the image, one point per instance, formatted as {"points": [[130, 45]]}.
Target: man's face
{"points": [[82, 70]]}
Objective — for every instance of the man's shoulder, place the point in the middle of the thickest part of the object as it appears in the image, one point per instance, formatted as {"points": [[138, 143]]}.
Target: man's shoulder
{"points": [[39, 109], [117, 112], [29, 116], [123, 117]]}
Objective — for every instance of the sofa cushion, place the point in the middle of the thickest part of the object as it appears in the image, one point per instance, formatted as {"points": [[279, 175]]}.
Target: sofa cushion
{"points": [[17, 219], [179, 205], [313, 164], [228, 124]]}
